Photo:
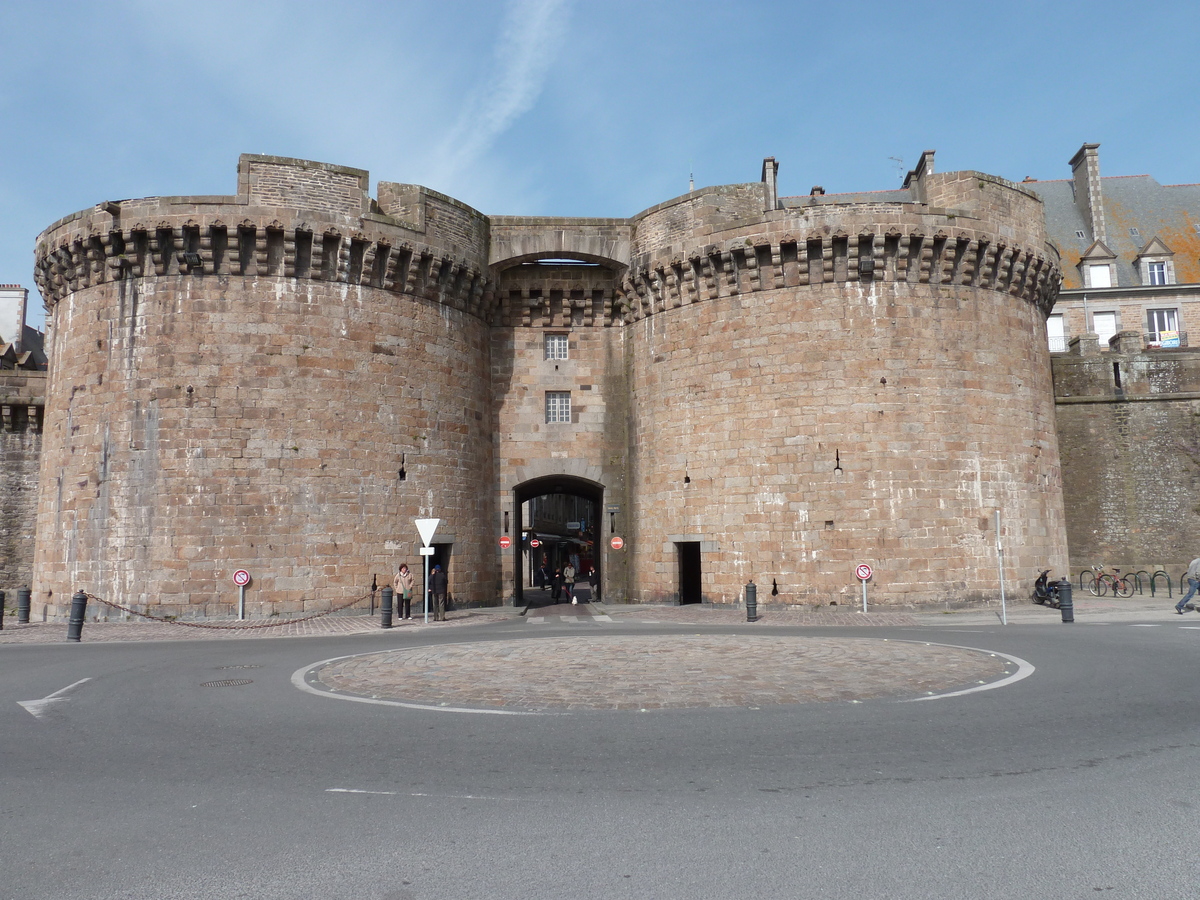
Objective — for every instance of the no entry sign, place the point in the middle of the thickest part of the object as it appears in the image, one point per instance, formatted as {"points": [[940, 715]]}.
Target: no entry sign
{"points": [[505, 542], [616, 543], [863, 571], [535, 543], [241, 578]]}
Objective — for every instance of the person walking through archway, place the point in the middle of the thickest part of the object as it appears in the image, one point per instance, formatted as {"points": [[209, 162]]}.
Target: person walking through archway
{"points": [[438, 583]]}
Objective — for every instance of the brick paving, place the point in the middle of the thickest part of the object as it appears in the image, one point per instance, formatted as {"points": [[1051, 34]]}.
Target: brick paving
{"points": [[613, 672]]}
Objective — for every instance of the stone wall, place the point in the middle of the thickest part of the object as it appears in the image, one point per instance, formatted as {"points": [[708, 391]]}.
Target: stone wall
{"points": [[1129, 434], [22, 400]]}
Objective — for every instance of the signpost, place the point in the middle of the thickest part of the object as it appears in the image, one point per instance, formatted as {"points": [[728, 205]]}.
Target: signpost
{"points": [[616, 542], [505, 542], [863, 571], [535, 543], [241, 578], [426, 528]]}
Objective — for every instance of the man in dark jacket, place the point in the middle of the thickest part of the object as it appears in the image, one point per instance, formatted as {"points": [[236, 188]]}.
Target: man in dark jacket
{"points": [[438, 583]]}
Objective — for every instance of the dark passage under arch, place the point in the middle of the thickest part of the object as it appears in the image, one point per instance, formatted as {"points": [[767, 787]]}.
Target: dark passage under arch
{"points": [[555, 536]]}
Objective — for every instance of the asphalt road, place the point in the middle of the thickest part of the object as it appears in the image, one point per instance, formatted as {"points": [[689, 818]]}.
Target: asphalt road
{"points": [[1078, 781]]}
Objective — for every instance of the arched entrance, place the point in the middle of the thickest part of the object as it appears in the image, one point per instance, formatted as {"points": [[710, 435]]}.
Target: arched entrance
{"points": [[562, 513]]}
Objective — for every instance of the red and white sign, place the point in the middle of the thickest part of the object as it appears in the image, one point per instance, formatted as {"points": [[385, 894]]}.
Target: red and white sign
{"points": [[505, 542], [241, 578], [617, 542], [535, 543], [863, 571]]}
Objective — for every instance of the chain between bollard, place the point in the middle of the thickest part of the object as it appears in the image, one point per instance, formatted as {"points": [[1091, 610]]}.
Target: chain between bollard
{"points": [[216, 627]]}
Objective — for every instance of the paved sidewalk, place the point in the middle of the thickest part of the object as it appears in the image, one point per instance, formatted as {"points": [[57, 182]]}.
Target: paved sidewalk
{"points": [[96, 632], [1088, 610]]}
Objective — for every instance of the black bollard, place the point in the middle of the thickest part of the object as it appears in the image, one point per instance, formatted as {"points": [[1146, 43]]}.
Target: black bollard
{"points": [[24, 596], [78, 611], [385, 608], [1, 610], [751, 601], [1065, 604]]}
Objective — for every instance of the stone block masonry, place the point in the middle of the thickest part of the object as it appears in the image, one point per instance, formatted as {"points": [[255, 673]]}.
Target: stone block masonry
{"points": [[22, 403], [282, 380]]}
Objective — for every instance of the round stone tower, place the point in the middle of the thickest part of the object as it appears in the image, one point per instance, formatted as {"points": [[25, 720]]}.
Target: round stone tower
{"points": [[825, 381], [280, 381]]}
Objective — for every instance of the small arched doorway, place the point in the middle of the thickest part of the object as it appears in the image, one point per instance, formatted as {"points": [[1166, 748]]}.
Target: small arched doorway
{"points": [[562, 513]]}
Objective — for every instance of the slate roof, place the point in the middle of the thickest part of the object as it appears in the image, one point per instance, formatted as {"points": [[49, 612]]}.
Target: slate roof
{"points": [[1169, 212]]}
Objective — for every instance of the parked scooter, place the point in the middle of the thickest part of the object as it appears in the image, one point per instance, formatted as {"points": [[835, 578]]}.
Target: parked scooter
{"points": [[1045, 591]]}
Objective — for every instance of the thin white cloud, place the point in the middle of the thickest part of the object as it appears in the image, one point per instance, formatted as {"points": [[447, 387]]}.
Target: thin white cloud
{"points": [[527, 47]]}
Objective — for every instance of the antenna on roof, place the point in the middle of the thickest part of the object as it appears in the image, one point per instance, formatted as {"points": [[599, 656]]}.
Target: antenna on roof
{"points": [[691, 177], [899, 165]]}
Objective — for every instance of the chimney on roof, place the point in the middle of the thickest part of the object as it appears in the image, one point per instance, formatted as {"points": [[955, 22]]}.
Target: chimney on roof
{"points": [[1085, 175], [817, 191], [770, 171], [914, 181]]}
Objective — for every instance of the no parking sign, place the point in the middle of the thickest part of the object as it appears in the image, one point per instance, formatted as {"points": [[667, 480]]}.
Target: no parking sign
{"points": [[863, 571]]}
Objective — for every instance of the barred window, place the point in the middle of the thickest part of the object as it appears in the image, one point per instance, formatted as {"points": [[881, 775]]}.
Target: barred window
{"points": [[556, 346], [558, 406]]}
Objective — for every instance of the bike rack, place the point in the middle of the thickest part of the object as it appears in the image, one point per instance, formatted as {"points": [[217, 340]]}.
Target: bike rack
{"points": [[1091, 578], [1155, 577], [1137, 581]]}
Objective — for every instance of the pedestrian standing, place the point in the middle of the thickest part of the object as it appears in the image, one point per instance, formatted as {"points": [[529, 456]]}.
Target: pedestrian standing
{"points": [[438, 582], [1193, 580], [556, 584], [593, 583], [402, 585], [569, 580]]}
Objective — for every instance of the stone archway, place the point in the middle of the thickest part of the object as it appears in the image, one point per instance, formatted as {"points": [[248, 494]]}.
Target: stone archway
{"points": [[591, 493]]}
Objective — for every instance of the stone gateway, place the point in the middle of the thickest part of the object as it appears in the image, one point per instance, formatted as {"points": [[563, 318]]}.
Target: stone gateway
{"points": [[743, 386]]}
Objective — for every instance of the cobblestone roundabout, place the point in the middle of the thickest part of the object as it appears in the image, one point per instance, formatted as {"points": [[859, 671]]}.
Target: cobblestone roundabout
{"points": [[632, 673]]}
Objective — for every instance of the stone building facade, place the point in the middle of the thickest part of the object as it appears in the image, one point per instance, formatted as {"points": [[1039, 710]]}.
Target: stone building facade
{"points": [[750, 387]]}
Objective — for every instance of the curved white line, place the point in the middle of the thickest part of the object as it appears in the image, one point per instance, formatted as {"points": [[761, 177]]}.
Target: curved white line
{"points": [[298, 680], [1024, 670]]}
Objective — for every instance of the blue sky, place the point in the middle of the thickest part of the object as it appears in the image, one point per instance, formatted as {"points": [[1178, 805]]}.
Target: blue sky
{"points": [[578, 107]]}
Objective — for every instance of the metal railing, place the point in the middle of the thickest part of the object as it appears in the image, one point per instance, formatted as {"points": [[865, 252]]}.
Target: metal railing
{"points": [[1165, 340]]}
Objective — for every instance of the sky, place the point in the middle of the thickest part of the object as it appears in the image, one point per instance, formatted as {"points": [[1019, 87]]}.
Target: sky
{"points": [[578, 107]]}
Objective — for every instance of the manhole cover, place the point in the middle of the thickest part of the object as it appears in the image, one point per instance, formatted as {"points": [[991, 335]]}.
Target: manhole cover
{"points": [[229, 682], [243, 666]]}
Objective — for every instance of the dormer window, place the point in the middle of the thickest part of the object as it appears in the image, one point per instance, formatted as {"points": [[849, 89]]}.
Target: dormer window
{"points": [[1155, 264], [1099, 276]]}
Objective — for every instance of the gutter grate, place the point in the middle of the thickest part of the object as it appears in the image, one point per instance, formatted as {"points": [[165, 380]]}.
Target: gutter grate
{"points": [[230, 682]]}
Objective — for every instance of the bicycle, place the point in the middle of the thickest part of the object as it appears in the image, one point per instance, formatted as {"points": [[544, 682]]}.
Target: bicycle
{"points": [[1103, 582]]}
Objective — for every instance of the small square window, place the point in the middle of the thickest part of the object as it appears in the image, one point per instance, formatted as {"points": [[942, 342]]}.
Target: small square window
{"points": [[1156, 272], [558, 406], [556, 346], [1080, 234]]}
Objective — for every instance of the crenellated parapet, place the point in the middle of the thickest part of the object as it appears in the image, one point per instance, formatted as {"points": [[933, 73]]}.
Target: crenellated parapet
{"points": [[319, 226], [884, 245]]}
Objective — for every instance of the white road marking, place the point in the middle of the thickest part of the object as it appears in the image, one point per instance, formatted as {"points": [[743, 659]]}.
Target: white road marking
{"points": [[356, 791], [1147, 625], [37, 708], [1024, 670], [299, 680]]}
